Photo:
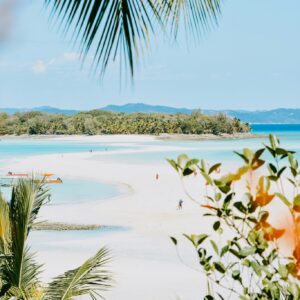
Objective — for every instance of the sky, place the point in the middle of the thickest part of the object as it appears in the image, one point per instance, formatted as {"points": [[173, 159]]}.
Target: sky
{"points": [[250, 61]]}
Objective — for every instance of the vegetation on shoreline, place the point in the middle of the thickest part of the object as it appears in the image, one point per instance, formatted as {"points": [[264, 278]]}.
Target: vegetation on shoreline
{"points": [[250, 253], [103, 122]]}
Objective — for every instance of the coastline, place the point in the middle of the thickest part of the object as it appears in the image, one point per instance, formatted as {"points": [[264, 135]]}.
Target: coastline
{"points": [[149, 214], [135, 137], [208, 137]]}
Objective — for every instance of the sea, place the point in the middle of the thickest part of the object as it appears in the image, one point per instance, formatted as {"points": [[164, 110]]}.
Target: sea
{"points": [[155, 152]]}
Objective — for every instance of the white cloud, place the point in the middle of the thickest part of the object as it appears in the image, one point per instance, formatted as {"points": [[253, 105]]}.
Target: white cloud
{"points": [[71, 56], [40, 67], [56, 63]]}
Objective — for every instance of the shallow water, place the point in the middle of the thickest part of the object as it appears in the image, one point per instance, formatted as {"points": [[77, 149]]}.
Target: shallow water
{"points": [[10, 148], [216, 150], [73, 191]]}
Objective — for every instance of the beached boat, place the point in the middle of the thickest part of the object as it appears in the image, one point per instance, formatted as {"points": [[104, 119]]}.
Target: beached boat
{"points": [[10, 179]]}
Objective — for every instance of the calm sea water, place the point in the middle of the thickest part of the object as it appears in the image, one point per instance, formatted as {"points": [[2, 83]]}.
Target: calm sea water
{"points": [[24, 147], [74, 191], [77, 191], [219, 150]]}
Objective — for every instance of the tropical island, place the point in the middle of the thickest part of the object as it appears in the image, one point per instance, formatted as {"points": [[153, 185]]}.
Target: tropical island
{"points": [[99, 122]]}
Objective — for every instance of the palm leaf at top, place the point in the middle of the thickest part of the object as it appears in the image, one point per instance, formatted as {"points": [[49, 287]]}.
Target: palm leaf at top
{"points": [[107, 28]]}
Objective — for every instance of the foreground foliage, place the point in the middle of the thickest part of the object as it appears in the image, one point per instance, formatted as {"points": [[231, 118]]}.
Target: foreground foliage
{"points": [[103, 122], [19, 270], [247, 256], [124, 29]]}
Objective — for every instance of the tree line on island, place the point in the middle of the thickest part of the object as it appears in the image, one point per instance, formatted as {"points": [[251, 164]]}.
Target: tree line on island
{"points": [[103, 122]]}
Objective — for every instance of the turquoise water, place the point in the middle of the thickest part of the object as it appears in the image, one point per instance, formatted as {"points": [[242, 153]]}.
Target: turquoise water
{"points": [[218, 150], [78, 191], [71, 239], [24, 147], [212, 151], [72, 190]]}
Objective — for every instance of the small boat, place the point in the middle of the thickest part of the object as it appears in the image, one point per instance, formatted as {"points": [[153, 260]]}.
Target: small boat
{"points": [[10, 178], [10, 174], [54, 181], [47, 174]]}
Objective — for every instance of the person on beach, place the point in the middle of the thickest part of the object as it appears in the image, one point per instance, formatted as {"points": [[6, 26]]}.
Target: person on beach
{"points": [[157, 176], [179, 207]]}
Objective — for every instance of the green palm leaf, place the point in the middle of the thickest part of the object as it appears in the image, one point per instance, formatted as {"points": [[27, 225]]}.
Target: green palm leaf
{"points": [[197, 16], [108, 28], [89, 279], [20, 270], [4, 226]]}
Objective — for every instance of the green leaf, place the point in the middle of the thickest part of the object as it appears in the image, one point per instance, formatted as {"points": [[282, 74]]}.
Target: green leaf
{"points": [[256, 267], [283, 199], [173, 240], [280, 172], [215, 247], [225, 188], [297, 200], [283, 271], [258, 153], [236, 274], [207, 178], [247, 251], [224, 250], [173, 164], [273, 141], [187, 172], [273, 168], [216, 225], [296, 206], [273, 152], [89, 279], [192, 163], [240, 207], [220, 267], [214, 168], [182, 159], [196, 239], [294, 290]]}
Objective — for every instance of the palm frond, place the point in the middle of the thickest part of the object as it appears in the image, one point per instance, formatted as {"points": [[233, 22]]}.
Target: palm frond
{"points": [[20, 270], [91, 278], [107, 28], [196, 16], [21, 274], [4, 226], [111, 27]]}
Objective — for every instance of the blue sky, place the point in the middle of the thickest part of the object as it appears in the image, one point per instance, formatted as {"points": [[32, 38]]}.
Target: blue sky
{"points": [[251, 61]]}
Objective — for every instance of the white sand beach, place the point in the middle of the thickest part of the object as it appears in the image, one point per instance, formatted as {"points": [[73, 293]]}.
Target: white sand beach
{"points": [[145, 261]]}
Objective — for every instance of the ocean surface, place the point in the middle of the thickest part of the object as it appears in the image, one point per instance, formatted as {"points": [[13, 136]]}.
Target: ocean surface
{"points": [[216, 150], [73, 191], [154, 152], [10, 148]]}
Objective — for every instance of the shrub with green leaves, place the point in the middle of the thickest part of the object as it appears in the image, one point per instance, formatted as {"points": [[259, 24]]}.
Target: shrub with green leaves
{"points": [[244, 255]]}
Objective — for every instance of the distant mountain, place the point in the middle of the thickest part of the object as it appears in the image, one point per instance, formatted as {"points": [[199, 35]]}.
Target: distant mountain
{"points": [[46, 109], [146, 108], [280, 115]]}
